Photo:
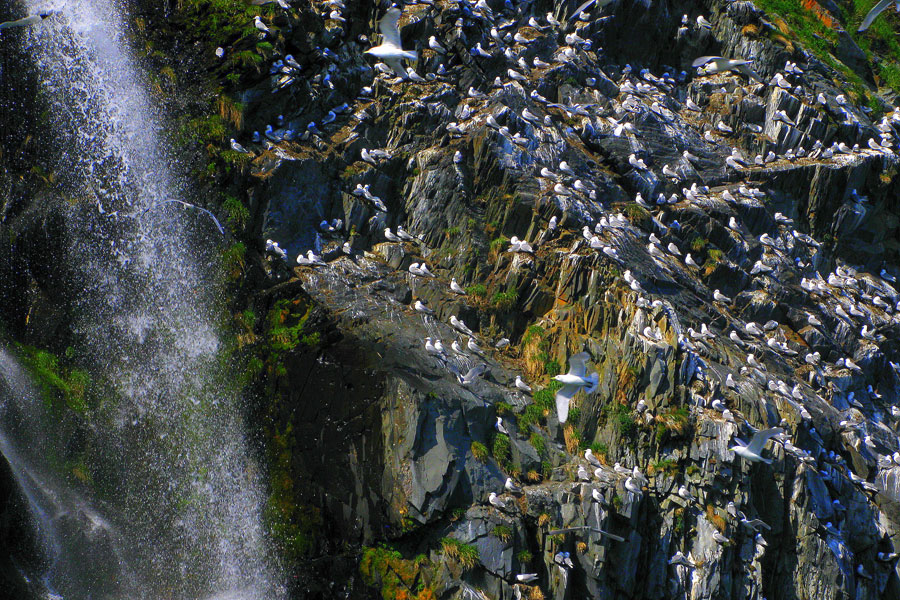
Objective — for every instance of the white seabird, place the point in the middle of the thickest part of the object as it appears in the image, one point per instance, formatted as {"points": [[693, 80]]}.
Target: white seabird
{"points": [[391, 49], [752, 450], [573, 381]]}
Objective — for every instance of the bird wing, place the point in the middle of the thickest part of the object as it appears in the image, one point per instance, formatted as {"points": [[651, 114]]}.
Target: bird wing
{"points": [[389, 26], [475, 372], [872, 14], [396, 65], [29, 20], [699, 62], [761, 437], [578, 11], [563, 396], [576, 364], [743, 68]]}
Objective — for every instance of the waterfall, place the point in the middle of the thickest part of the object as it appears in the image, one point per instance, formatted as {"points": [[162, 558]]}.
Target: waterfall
{"points": [[181, 495]]}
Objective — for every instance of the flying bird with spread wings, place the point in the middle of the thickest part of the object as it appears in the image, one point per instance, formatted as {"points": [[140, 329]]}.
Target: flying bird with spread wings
{"points": [[391, 49]]}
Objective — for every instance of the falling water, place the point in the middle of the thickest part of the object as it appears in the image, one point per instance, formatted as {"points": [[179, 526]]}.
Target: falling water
{"points": [[179, 486]]}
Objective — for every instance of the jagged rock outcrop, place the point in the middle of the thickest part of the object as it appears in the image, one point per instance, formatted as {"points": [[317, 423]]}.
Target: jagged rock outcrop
{"points": [[377, 440]]}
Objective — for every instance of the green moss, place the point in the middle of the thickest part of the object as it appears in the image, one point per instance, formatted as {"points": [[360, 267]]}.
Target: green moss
{"points": [[545, 399], [667, 466], [501, 450], [533, 331], [575, 415], [397, 578], [498, 244], [311, 340], [467, 556], [692, 470], [503, 408], [532, 416], [524, 557], [673, 424], [233, 259], [452, 231], [601, 451], [61, 384], [552, 368], [354, 169], [221, 22], [546, 469], [505, 300], [539, 444], [477, 291], [678, 524], [617, 502], [236, 213], [479, 451], [292, 525], [620, 415], [285, 323], [698, 243], [502, 532]]}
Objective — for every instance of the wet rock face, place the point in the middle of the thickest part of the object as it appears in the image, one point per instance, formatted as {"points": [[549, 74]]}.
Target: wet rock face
{"points": [[18, 547]]}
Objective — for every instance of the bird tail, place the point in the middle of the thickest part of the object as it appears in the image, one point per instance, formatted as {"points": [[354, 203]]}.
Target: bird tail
{"points": [[594, 378], [411, 55]]}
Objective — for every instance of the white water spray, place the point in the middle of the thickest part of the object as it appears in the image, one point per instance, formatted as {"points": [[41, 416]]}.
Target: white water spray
{"points": [[182, 489]]}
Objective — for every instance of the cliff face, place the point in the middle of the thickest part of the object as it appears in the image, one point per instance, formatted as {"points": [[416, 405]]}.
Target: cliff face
{"points": [[382, 460]]}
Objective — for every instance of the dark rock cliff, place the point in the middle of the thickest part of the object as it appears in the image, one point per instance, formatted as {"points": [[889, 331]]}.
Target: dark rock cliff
{"points": [[381, 461]]}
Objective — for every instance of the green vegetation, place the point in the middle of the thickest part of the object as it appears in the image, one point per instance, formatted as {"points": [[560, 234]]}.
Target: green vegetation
{"points": [[545, 399], [673, 424], [539, 444], [575, 415], [533, 331], [236, 213], [61, 384], [498, 244], [536, 349], [552, 368], [638, 215], [601, 452], [678, 524], [524, 557], [501, 450], [816, 32], [292, 525], [505, 300], [311, 340], [466, 555], [234, 261], [503, 408], [546, 469], [698, 243], [452, 232], [479, 451], [667, 466], [533, 415], [477, 291], [398, 578], [617, 502], [620, 415], [222, 22], [692, 470], [502, 533], [354, 169]]}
